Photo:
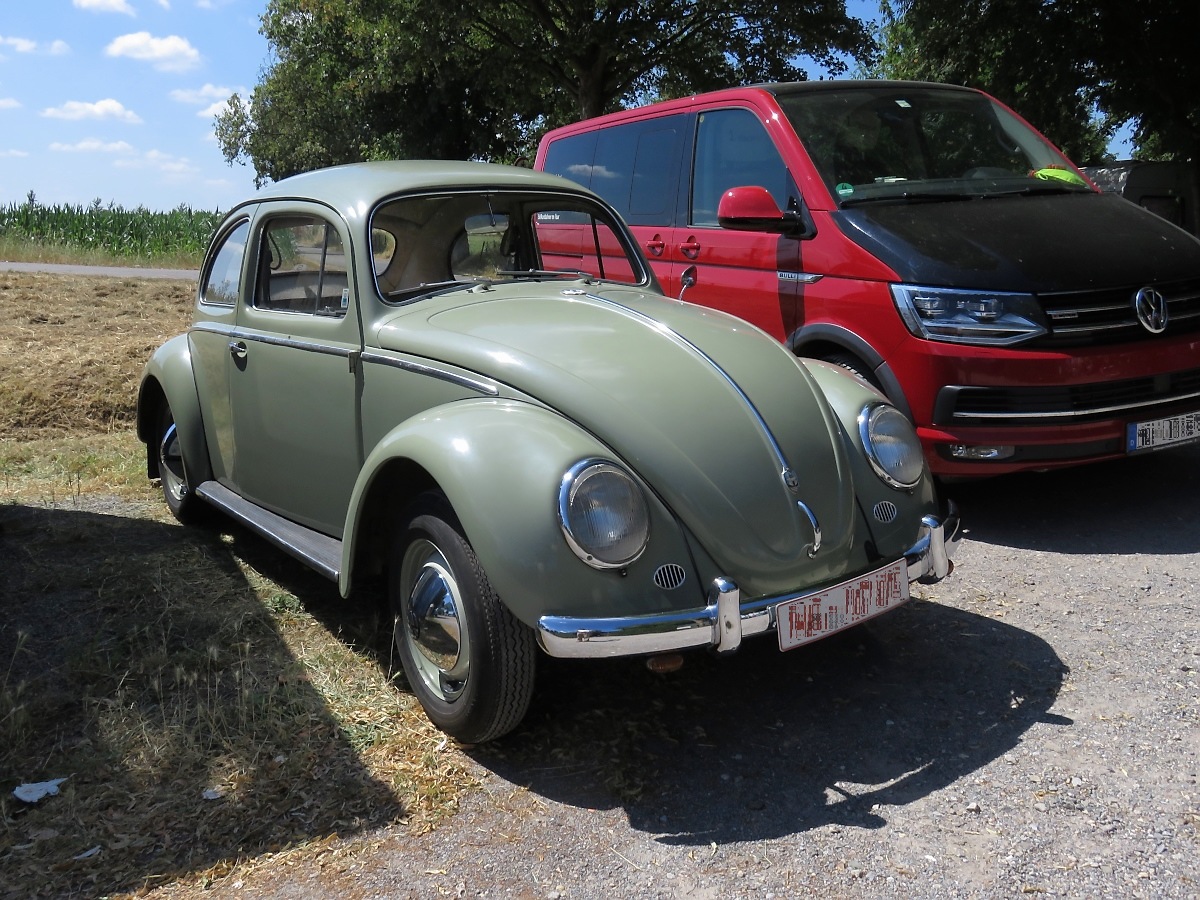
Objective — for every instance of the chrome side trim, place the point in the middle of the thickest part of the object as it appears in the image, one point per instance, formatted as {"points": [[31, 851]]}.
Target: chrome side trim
{"points": [[474, 384], [214, 328], [726, 620], [1077, 413], [274, 340]]}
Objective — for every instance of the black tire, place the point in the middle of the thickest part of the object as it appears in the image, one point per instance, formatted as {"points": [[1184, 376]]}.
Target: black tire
{"points": [[855, 366], [172, 471], [467, 659]]}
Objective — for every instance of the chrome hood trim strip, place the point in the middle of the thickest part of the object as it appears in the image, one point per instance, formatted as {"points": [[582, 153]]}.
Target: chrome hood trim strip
{"points": [[785, 470]]}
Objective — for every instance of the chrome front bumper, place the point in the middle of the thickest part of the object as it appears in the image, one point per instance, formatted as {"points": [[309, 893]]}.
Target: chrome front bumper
{"points": [[723, 623]]}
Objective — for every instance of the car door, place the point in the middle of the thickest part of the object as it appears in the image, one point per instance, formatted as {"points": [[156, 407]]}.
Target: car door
{"points": [[753, 275], [222, 280], [294, 392]]}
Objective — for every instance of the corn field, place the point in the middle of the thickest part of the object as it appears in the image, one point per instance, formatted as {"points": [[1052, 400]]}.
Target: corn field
{"points": [[113, 229]]}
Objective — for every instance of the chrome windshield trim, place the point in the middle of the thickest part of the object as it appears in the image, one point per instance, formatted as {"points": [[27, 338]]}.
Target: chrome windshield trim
{"points": [[474, 384], [725, 620]]}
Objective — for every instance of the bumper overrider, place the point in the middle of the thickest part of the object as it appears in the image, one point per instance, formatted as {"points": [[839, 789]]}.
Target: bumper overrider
{"points": [[723, 623]]}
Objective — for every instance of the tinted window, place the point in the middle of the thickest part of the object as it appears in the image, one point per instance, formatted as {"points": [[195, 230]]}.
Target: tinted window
{"points": [[224, 281], [733, 150], [303, 267], [634, 167]]}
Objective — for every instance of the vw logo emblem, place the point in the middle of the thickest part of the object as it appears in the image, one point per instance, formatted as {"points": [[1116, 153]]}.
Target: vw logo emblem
{"points": [[1151, 309]]}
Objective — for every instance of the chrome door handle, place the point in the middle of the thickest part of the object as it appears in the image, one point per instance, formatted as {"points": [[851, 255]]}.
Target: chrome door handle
{"points": [[237, 349]]}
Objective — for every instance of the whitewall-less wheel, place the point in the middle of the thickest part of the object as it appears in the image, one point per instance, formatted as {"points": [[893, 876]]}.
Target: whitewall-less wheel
{"points": [[467, 659], [171, 470]]}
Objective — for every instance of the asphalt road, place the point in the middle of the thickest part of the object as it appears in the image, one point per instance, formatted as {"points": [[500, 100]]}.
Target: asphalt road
{"points": [[111, 271]]}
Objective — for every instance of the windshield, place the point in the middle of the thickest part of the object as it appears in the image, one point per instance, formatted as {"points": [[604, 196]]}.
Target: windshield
{"points": [[429, 243], [895, 142]]}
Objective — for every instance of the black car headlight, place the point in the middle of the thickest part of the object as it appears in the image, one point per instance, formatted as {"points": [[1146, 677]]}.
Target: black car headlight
{"points": [[603, 514], [969, 317], [891, 445]]}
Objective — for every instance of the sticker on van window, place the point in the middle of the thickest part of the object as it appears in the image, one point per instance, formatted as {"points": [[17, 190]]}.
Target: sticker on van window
{"points": [[844, 189]]}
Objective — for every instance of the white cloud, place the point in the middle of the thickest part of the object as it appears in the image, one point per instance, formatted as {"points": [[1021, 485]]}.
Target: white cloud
{"points": [[114, 6], [93, 145], [9, 103], [20, 45], [168, 54], [101, 109], [211, 112], [173, 166], [207, 94], [59, 48], [12, 154]]}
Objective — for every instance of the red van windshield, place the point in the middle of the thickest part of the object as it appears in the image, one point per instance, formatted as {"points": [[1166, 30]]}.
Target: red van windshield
{"points": [[920, 142]]}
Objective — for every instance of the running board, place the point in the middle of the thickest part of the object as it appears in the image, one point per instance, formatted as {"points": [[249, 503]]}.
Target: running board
{"points": [[317, 550]]}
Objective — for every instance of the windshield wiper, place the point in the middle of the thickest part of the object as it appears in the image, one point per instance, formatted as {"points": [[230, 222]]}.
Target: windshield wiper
{"points": [[545, 273], [908, 197], [1041, 188]]}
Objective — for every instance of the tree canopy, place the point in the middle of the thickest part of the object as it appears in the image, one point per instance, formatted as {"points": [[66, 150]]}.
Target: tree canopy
{"points": [[361, 79], [1076, 69]]}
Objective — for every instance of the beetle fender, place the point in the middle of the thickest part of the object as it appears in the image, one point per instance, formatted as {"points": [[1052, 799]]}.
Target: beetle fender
{"points": [[168, 377], [847, 396], [500, 463]]}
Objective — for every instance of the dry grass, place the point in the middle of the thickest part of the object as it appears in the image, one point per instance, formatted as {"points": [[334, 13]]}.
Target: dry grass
{"points": [[207, 700]]}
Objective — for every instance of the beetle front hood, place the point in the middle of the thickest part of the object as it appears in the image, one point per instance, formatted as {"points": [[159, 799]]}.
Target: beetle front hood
{"points": [[701, 405]]}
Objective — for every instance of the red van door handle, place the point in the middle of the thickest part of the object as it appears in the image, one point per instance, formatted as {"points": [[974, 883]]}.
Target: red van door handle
{"points": [[655, 246], [690, 248]]}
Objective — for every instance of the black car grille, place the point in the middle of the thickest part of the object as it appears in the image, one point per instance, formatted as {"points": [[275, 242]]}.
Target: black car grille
{"points": [[1107, 316], [1065, 403]]}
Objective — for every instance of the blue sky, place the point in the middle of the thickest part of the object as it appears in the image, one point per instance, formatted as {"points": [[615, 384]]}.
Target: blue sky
{"points": [[114, 99]]}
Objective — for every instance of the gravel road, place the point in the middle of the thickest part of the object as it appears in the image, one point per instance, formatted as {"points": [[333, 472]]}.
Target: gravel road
{"points": [[1029, 726]]}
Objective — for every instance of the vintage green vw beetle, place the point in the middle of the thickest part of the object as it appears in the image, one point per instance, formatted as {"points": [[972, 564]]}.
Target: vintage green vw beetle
{"points": [[463, 378]]}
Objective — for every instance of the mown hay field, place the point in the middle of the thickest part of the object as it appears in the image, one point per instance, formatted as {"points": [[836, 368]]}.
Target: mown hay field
{"points": [[207, 702]]}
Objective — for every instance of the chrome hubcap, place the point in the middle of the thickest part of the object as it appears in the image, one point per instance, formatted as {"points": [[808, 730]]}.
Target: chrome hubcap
{"points": [[429, 623], [171, 463]]}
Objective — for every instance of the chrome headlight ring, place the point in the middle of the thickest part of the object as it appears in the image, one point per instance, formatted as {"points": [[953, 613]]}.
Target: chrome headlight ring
{"points": [[603, 514], [891, 445]]}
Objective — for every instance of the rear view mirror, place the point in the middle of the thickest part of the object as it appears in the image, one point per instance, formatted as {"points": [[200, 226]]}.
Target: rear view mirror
{"points": [[752, 208]]}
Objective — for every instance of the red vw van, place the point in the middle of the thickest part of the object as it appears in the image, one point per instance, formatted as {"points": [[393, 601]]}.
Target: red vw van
{"points": [[927, 238]]}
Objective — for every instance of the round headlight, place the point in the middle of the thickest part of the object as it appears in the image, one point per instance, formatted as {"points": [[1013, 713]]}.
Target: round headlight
{"points": [[892, 445], [603, 514]]}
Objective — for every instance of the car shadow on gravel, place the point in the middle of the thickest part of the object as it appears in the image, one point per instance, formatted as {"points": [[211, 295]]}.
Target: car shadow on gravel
{"points": [[767, 744], [1143, 504], [137, 663]]}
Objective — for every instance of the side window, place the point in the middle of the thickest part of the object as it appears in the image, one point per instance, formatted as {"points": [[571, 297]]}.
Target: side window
{"points": [[634, 167], [224, 280], [302, 267], [732, 150]]}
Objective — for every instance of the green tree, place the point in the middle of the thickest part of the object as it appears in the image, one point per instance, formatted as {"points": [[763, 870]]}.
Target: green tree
{"points": [[1077, 69], [1020, 51], [361, 79]]}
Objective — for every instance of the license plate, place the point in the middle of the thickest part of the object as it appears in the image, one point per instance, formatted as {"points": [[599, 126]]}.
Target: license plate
{"points": [[1162, 432], [810, 618]]}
